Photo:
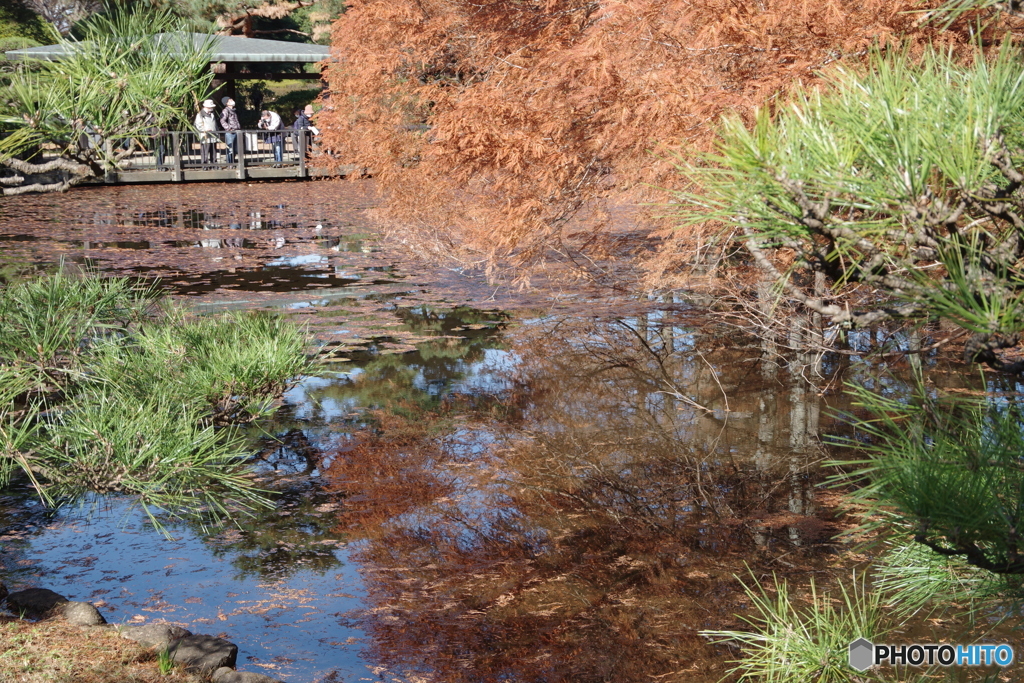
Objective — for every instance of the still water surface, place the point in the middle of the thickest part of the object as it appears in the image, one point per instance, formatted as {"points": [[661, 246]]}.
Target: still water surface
{"points": [[465, 494]]}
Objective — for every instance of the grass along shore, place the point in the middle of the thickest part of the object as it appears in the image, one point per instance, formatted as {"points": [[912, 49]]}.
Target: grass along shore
{"points": [[54, 651]]}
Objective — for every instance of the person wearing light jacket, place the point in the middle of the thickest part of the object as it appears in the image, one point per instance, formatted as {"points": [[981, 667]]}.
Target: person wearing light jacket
{"points": [[270, 120], [206, 124]]}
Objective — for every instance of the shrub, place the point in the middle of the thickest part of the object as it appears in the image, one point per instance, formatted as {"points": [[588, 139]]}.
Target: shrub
{"points": [[101, 392]]}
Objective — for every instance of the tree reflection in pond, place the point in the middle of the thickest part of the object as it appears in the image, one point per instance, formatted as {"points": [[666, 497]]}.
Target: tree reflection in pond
{"points": [[296, 535], [300, 532], [590, 533]]}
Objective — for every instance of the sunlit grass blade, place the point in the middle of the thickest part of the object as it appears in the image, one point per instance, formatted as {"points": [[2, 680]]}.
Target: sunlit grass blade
{"points": [[797, 640]]}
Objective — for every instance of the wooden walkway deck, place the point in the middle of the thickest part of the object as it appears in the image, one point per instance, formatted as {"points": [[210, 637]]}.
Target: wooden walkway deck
{"points": [[180, 157]]}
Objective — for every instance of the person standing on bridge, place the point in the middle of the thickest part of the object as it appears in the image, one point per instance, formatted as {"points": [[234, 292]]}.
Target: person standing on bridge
{"points": [[270, 120], [229, 122], [206, 124], [308, 113], [303, 120]]}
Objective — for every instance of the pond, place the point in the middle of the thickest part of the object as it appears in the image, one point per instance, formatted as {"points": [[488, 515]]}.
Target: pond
{"points": [[484, 492]]}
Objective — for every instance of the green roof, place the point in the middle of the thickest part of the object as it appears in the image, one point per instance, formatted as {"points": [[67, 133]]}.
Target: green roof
{"points": [[224, 48]]}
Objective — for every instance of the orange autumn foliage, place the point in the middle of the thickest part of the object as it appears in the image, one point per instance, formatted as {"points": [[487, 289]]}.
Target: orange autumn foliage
{"points": [[497, 128]]}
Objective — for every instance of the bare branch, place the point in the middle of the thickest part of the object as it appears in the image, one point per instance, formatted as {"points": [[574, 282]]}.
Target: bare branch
{"points": [[59, 164], [58, 186]]}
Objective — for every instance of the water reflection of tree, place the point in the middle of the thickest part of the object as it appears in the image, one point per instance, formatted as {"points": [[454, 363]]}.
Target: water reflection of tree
{"points": [[297, 535], [603, 529], [300, 533], [673, 435], [423, 378], [22, 517]]}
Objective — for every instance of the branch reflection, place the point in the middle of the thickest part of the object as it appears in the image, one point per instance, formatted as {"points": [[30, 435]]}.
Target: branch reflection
{"points": [[588, 520]]}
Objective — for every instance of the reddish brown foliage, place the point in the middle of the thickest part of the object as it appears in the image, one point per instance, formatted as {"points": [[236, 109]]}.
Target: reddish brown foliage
{"points": [[599, 524], [400, 461], [539, 109]]}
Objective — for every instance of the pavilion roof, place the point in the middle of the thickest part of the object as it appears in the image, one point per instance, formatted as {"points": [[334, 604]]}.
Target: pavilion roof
{"points": [[224, 49]]}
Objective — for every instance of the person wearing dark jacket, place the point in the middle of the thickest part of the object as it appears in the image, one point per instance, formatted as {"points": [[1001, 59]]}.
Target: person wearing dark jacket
{"points": [[308, 114], [303, 123], [229, 122]]}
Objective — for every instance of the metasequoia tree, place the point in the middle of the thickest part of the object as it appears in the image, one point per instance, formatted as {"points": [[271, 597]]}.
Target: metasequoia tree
{"points": [[119, 81], [489, 126]]}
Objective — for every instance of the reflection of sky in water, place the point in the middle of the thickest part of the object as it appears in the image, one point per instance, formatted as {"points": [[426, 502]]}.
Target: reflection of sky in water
{"points": [[682, 339], [120, 563], [296, 261], [287, 619], [490, 375], [486, 376], [310, 406]]}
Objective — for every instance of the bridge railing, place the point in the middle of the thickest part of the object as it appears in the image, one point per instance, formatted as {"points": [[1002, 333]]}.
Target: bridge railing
{"points": [[176, 155], [192, 150]]}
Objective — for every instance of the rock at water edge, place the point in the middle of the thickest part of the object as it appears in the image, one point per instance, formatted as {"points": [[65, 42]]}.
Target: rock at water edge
{"points": [[83, 614], [34, 602], [203, 653], [158, 635], [229, 675]]}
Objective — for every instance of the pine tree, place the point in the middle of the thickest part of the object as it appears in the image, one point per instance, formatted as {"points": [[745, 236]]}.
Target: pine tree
{"points": [[903, 179], [119, 81]]}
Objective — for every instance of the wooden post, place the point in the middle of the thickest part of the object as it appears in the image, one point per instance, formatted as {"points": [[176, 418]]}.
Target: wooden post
{"points": [[303, 136], [240, 151], [176, 149], [109, 170]]}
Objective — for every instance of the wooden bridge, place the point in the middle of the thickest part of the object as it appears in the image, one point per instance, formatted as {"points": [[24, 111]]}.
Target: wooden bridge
{"points": [[178, 156], [186, 156]]}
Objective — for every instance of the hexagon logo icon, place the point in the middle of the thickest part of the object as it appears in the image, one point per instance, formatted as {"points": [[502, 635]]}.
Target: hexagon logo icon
{"points": [[862, 654]]}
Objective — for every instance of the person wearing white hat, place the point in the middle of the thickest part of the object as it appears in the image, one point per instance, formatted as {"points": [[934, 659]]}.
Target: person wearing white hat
{"points": [[206, 124]]}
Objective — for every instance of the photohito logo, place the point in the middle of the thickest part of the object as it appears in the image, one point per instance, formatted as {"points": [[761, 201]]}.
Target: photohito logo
{"points": [[864, 654]]}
